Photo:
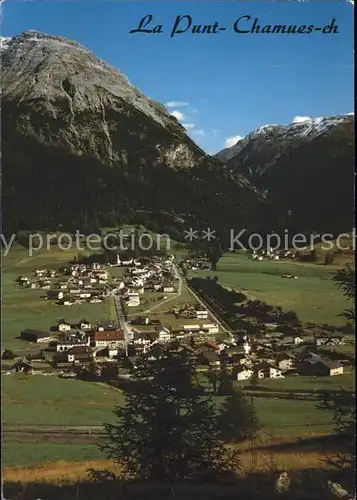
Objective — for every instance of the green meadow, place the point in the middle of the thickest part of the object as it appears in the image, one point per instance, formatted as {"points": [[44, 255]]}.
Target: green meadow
{"points": [[313, 295], [48, 400], [25, 308]]}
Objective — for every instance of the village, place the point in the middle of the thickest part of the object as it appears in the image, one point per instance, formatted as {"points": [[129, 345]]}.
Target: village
{"points": [[73, 349]]}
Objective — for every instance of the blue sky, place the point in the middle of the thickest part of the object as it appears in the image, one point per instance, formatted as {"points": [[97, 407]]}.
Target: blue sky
{"points": [[224, 85]]}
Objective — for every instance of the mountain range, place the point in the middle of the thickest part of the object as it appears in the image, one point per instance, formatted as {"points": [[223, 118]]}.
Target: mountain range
{"points": [[306, 169], [83, 148]]}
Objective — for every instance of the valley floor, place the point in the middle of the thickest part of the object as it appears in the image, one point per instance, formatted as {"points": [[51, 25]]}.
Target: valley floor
{"points": [[47, 400]]}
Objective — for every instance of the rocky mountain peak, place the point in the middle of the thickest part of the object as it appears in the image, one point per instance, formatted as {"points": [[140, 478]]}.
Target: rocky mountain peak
{"points": [[37, 65], [294, 162], [75, 129]]}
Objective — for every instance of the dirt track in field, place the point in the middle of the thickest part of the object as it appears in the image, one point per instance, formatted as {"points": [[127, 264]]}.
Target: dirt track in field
{"points": [[53, 433]]}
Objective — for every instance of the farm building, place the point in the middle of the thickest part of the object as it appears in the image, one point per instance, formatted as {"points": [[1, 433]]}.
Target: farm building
{"points": [[332, 339], [36, 336], [108, 337], [67, 341], [267, 370], [321, 367], [243, 373]]}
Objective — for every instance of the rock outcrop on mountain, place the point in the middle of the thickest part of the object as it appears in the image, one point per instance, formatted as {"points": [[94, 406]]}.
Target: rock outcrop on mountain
{"points": [[84, 147], [305, 168]]}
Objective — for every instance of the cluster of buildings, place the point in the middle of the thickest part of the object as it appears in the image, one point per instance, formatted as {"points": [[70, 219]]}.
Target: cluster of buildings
{"points": [[273, 254], [43, 278], [190, 311], [157, 275], [74, 284], [75, 346], [198, 264], [84, 342], [272, 354], [79, 342], [80, 283], [256, 359]]}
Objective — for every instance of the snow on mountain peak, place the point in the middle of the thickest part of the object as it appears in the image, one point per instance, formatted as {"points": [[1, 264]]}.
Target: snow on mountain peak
{"points": [[4, 41], [302, 119], [265, 128], [302, 126]]}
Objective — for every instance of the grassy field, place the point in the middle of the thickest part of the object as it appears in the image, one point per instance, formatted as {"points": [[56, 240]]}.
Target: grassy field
{"points": [[23, 453], [313, 296], [26, 308], [284, 418], [347, 381], [41, 400], [186, 296], [60, 463]]}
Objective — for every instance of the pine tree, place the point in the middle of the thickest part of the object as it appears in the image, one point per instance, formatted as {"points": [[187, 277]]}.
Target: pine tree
{"points": [[166, 431], [342, 405], [345, 279], [238, 420], [254, 380], [226, 384], [213, 378]]}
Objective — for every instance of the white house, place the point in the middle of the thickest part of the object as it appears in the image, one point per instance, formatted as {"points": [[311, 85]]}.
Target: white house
{"points": [[139, 271], [168, 289], [164, 335], [285, 362], [244, 373], [63, 344], [201, 314], [103, 275], [63, 326], [298, 340], [133, 299], [266, 370], [191, 327], [40, 272], [133, 303], [246, 347], [141, 341], [211, 328], [84, 325], [112, 350]]}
